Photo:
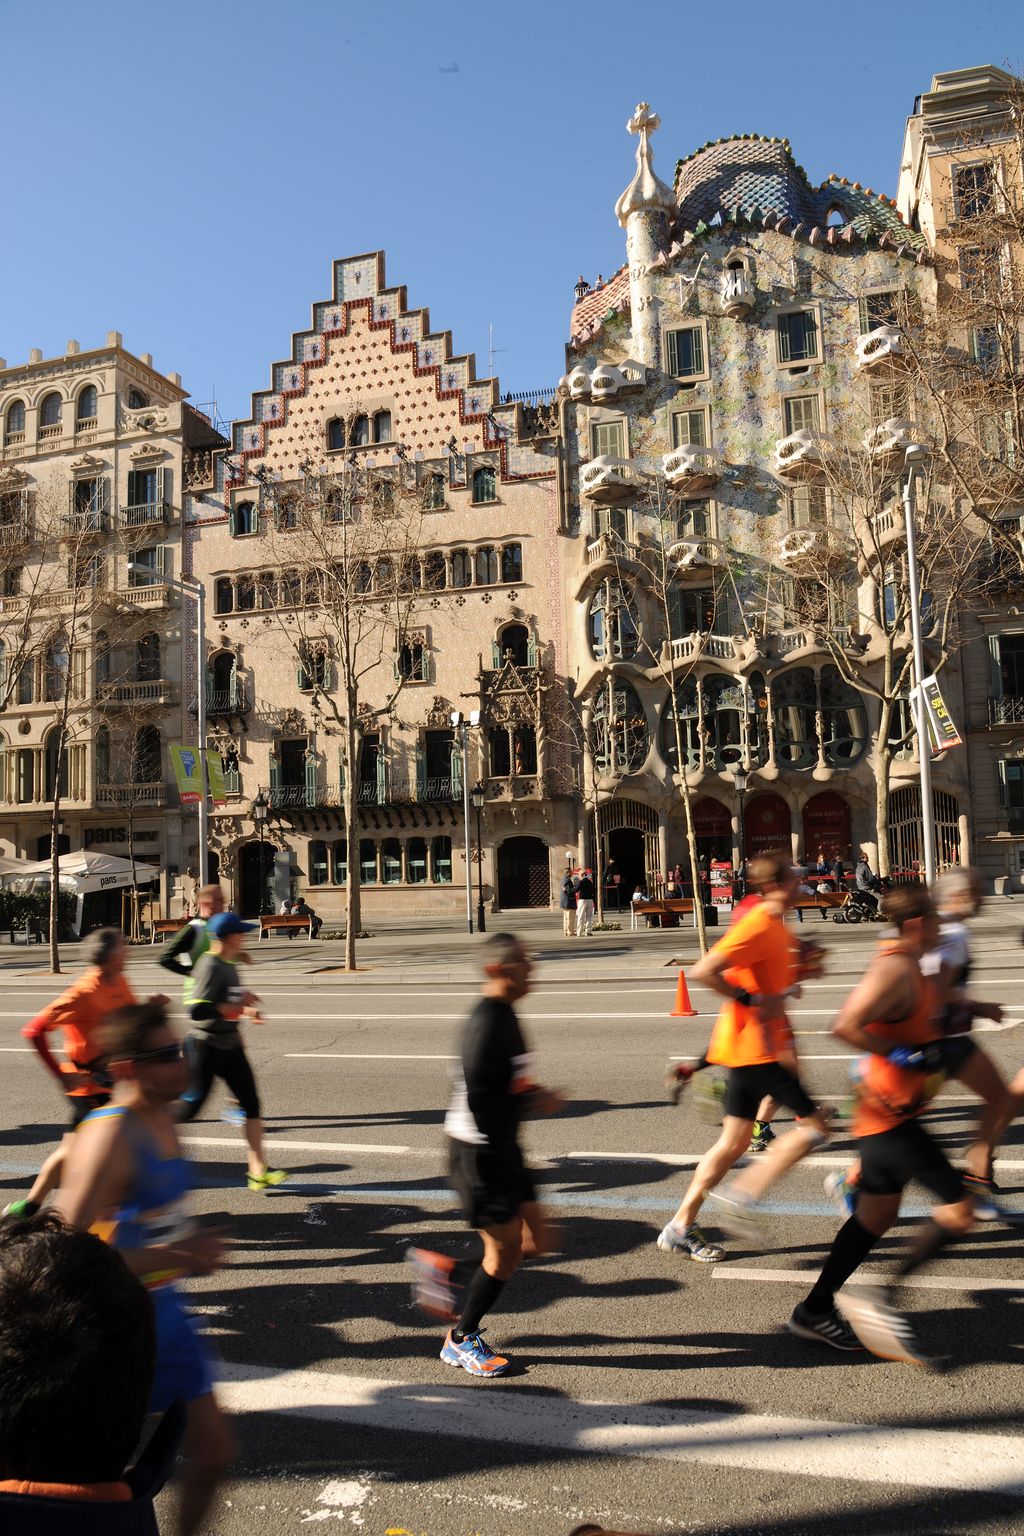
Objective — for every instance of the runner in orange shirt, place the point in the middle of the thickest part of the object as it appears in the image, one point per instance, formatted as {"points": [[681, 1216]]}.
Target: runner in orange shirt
{"points": [[755, 967], [894, 1015], [78, 1013]]}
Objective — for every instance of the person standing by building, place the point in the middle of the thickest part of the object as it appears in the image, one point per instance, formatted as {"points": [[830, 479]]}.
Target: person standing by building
{"points": [[214, 1046], [585, 893], [493, 1093], [567, 903]]}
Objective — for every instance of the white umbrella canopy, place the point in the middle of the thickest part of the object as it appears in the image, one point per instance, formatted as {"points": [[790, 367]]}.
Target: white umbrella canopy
{"points": [[85, 871], [12, 866]]}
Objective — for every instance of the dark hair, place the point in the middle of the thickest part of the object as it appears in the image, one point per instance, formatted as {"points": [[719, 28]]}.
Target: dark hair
{"points": [[101, 945], [77, 1354], [500, 949], [904, 903], [126, 1032], [770, 869]]}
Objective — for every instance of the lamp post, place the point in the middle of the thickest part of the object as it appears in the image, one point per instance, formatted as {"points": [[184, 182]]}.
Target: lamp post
{"points": [[259, 816], [740, 777], [460, 730], [914, 455], [196, 590], [478, 795]]}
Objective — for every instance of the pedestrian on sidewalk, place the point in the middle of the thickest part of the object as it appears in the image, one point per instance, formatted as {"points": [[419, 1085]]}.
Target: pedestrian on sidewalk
{"points": [[585, 893], [567, 902]]}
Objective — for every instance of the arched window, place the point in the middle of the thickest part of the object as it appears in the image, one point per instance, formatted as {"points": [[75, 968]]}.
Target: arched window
{"points": [[317, 863], [223, 595], [335, 434], [524, 749], [433, 493], [147, 658], [794, 705], [86, 405], [243, 519], [55, 669], [360, 432], [245, 593], [435, 574], [619, 737], [103, 755], [724, 703], [844, 720], [102, 654], [391, 861], [291, 589], [56, 771], [266, 587], [412, 662], [513, 643], [462, 568], [382, 427], [689, 733], [499, 752], [485, 484], [416, 860], [137, 401], [146, 755], [486, 566], [757, 720], [512, 562], [222, 671], [611, 621], [50, 410], [14, 426], [27, 681], [441, 860]]}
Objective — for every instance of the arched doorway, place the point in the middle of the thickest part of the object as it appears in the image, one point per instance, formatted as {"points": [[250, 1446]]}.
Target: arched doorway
{"points": [[255, 893], [767, 825], [629, 835], [626, 846], [826, 821], [523, 878], [713, 827]]}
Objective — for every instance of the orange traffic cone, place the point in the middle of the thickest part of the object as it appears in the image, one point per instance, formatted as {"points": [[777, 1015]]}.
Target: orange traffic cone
{"points": [[683, 1009]]}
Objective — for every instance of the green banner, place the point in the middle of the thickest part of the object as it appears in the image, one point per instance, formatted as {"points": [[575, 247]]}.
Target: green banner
{"points": [[188, 772], [215, 776]]}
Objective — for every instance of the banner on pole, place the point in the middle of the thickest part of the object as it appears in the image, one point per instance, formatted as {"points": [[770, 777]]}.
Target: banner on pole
{"points": [[215, 777], [942, 732], [188, 773]]}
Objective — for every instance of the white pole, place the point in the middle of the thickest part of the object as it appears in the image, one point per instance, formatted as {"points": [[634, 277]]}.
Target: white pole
{"points": [[924, 749], [465, 813], [199, 591]]}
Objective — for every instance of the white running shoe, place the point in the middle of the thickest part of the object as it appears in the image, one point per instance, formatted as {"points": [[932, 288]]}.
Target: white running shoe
{"points": [[692, 1242]]}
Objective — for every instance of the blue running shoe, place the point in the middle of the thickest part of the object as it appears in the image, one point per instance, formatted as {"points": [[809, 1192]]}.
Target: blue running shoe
{"points": [[841, 1192], [233, 1115], [474, 1356]]}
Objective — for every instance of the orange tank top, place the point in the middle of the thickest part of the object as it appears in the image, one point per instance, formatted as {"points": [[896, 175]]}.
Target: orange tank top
{"points": [[888, 1095]]}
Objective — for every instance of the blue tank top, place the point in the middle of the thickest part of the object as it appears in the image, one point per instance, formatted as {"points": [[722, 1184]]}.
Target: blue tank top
{"points": [[154, 1211]]}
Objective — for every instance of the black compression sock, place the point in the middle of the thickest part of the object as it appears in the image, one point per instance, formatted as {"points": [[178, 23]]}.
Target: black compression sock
{"points": [[481, 1294], [931, 1240], [851, 1247]]}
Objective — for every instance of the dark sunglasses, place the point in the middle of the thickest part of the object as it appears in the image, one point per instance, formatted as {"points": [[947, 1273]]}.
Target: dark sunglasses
{"points": [[163, 1056]]}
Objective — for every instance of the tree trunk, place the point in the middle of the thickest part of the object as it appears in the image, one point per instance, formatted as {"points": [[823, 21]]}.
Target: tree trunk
{"points": [[691, 843], [55, 870], [350, 808], [598, 864], [883, 760]]}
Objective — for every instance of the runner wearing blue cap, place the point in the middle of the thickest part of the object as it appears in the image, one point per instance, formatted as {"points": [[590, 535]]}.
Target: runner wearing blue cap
{"points": [[217, 1002]]}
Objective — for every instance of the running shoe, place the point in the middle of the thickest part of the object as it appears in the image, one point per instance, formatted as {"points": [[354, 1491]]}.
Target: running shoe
{"points": [[708, 1095], [677, 1075], [883, 1330], [435, 1288], [841, 1192], [763, 1136], [740, 1217], [986, 1206], [21, 1208], [474, 1356], [233, 1114], [692, 1242], [829, 1329], [270, 1178]]}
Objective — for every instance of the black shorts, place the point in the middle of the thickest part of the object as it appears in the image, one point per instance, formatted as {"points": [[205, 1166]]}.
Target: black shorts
{"points": [[891, 1160], [83, 1104], [955, 1052], [747, 1086], [491, 1185], [207, 1062]]}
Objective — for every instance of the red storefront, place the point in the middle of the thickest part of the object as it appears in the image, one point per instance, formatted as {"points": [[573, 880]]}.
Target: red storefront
{"points": [[826, 820], [767, 825], [712, 825]]}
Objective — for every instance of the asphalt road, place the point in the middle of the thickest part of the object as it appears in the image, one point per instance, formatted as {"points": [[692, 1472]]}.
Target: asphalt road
{"points": [[652, 1394]]}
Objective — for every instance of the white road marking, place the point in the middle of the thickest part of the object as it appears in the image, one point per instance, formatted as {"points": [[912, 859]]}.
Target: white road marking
{"points": [[867, 1453], [282, 1144], [359, 1056], [18, 1050], [916, 1282]]}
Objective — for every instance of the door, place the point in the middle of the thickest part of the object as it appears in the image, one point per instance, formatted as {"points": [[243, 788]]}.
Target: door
{"points": [[255, 889], [826, 827], [523, 879], [626, 846], [768, 826]]}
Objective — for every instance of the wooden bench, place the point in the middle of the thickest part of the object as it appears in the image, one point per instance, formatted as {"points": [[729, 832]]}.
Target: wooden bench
{"points": [[821, 902], [165, 925], [289, 924], [661, 907]]}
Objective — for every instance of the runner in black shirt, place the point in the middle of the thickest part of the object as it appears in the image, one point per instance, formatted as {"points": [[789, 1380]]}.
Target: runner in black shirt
{"points": [[493, 1092]]}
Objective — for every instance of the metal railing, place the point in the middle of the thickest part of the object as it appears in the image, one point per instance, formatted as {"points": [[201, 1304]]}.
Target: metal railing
{"points": [[84, 522], [155, 692], [132, 794], [1006, 711], [143, 514], [226, 701], [398, 791]]}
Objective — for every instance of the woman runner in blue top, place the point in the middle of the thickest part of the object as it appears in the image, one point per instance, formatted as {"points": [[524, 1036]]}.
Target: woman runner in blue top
{"points": [[128, 1181]]}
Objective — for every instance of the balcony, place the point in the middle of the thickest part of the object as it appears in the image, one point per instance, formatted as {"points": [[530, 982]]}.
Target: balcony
{"points": [[700, 643], [692, 469], [90, 521], [1006, 711], [399, 790], [606, 481], [806, 550], [154, 595], [802, 455], [226, 701], [132, 794], [879, 349], [156, 692], [605, 382], [51, 434], [888, 442], [737, 294], [696, 552], [15, 532], [145, 515]]}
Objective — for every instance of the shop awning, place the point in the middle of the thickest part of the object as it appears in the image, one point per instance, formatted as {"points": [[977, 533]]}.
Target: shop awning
{"points": [[82, 872]]}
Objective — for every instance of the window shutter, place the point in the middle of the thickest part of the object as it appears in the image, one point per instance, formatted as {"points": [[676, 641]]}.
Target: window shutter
{"points": [[133, 487], [810, 333], [161, 487], [275, 772], [456, 769], [396, 669], [1004, 798], [165, 560], [341, 768], [531, 652], [996, 676], [233, 521], [421, 771], [311, 773], [382, 775], [495, 655], [301, 676]]}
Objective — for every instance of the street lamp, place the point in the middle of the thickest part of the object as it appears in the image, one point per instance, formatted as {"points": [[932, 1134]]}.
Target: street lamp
{"points": [[478, 795], [740, 776], [259, 816], [461, 725], [915, 454], [196, 590]]}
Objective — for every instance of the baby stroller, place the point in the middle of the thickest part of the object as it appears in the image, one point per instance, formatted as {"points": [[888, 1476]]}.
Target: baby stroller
{"points": [[862, 906]]}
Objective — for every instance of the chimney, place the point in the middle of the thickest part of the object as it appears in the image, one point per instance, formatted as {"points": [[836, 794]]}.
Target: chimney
{"points": [[114, 339], [35, 356], [72, 349]]}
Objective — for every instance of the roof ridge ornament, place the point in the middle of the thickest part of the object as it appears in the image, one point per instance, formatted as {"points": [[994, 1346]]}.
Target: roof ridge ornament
{"points": [[645, 193]]}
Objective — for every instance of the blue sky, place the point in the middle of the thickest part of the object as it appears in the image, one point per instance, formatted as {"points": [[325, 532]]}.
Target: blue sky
{"points": [[186, 173]]}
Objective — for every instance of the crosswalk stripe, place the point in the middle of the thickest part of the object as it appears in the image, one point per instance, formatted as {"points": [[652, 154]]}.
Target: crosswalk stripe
{"points": [[865, 1453], [807, 1277]]}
